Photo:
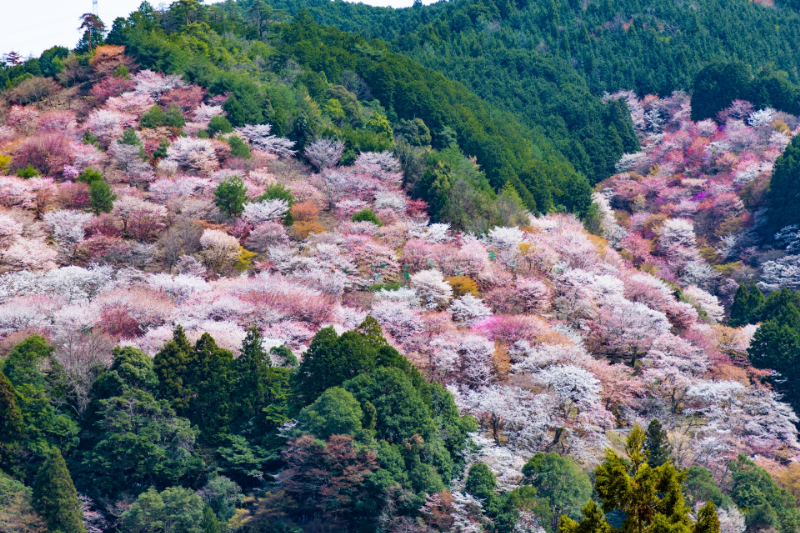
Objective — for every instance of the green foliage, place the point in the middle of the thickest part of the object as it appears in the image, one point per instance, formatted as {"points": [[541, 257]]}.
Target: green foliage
{"points": [[230, 196], [222, 496], [90, 175], [161, 151], [38, 395], [153, 118], [219, 124], [481, 482], [101, 197], [171, 364], [716, 86], [175, 509], [210, 523], [238, 147], [650, 498], [366, 215], [776, 343], [746, 303], [699, 486], [16, 508], [261, 391], [27, 172], [285, 354], [141, 443], [10, 416], [130, 137], [335, 412], [764, 504], [400, 409], [784, 187], [277, 191], [657, 445], [402, 87], [174, 117], [55, 497], [51, 60], [719, 84], [414, 132], [561, 487], [331, 360]]}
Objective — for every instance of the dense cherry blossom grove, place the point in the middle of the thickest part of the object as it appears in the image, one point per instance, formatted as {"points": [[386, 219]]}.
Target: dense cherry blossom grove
{"points": [[549, 336], [689, 206]]}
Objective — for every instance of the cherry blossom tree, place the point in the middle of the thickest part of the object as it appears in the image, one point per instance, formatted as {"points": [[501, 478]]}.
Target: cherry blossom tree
{"points": [[469, 309], [324, 153], [67, 228], [220, 250], [259, 138], [432, 289], [258, 213], [196, 155]]}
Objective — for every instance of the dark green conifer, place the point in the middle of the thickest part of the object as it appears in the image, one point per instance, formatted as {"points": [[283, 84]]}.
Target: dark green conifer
{"points": [[657, 445], [55, 497], [10, 416]]}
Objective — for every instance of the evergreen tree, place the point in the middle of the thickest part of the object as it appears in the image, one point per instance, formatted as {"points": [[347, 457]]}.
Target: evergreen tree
{"points": [[211, 377], [230, 196], [55, 497], [745, 305], [171, 364], [153, 118], [23, 363], [10, 416], [210, 524], [331, 360], [657, 445], [783, 196], [174, 117], [251, 368], [740, 311], [562, 488], [650, 498], [101, 197], [481, 482], [707, 519]]}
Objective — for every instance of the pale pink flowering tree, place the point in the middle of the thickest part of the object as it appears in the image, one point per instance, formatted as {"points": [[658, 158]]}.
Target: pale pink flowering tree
{"points": [[258, 213], [259, 138], [156, 84], [193, 155], [324, 153], [220, 250], [134, 103], [108, 125], [67, 228], [469, 309]]}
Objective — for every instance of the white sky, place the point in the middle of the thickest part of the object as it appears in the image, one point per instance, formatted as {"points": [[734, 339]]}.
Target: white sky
{"points": [[32, 26]]}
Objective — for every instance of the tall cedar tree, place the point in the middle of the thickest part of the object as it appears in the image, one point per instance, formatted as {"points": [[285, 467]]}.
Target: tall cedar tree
{"points": [[251, 368], [171, 364], [10, 416], [101, 197], [55, 497], [657, 445], [745, 303], [211, 378]]}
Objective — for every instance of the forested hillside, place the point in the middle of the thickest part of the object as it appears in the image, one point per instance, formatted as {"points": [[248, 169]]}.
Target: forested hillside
{"points": [[259, 275], [545, 59]]}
